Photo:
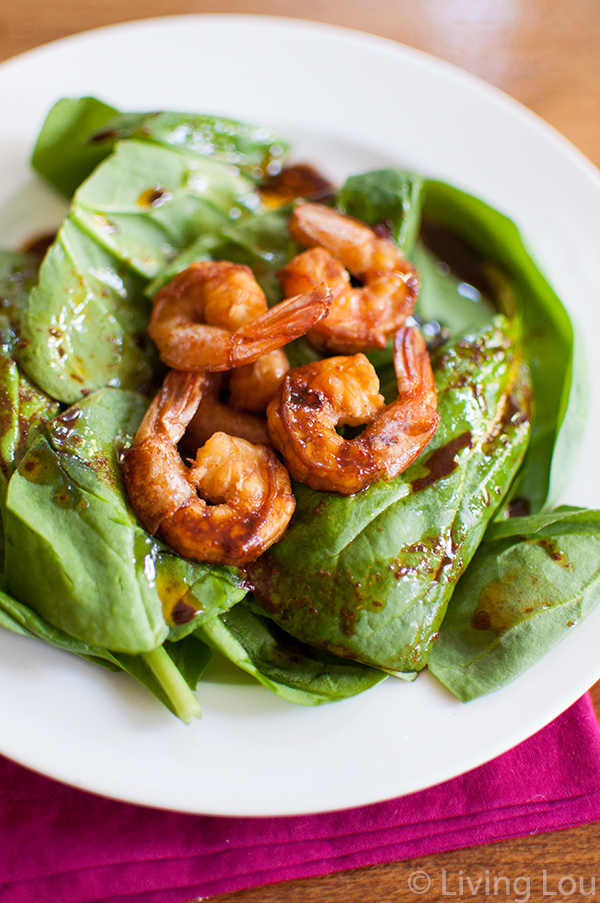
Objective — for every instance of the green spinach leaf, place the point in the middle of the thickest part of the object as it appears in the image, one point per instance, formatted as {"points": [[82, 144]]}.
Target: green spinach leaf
{"points": [[557, 371], [189, 657], [529, 584], [369, 576], [76, 553], [145, 202], [63, 153], [79, 133], [262, 242], [293, 670], [85, 323], [391, 197], [254, 150], [24, 409], [18, 275], [447, 300]]}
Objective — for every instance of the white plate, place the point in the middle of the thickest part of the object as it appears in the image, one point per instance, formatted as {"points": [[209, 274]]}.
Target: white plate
{"points": [[350, 103]]}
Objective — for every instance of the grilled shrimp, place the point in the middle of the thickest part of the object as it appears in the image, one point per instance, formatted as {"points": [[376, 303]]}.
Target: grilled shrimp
{"points": [[337, 391], [214, 316], [227, 508], [360, 318], [236, 402], [214, 415], [252, 386]]}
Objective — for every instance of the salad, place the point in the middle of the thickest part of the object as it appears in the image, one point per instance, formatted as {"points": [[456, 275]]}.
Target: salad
{"points": [[458, 564]]}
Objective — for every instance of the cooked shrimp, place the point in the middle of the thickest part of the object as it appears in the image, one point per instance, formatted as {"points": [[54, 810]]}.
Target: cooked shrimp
{"points": [[243, 413], [214, 316], [232, 503], [316, 398], [359, 319], [252, 386], [214, 416]]}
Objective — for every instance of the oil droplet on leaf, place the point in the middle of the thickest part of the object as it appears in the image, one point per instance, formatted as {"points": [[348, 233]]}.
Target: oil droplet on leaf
{"points": [[64, 497], [155, 197], [179, 604], [503, 603], [40, 466], [553, 550]]}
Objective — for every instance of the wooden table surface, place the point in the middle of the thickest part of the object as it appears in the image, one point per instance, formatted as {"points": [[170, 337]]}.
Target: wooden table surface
{"points": [[546, 54]]}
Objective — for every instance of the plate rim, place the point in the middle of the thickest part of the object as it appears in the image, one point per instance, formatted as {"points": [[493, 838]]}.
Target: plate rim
{"points": [[361, 38]]}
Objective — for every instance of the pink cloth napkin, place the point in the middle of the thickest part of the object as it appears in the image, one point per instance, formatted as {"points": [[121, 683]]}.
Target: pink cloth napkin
{"points": [[60, 844]]}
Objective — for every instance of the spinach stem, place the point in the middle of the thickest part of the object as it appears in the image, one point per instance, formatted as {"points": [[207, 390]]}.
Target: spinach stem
{"points": [[182, 699]]}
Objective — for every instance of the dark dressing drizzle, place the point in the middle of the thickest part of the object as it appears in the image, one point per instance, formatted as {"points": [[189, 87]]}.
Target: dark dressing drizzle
{"points": [[298, 181], [442, 462]]}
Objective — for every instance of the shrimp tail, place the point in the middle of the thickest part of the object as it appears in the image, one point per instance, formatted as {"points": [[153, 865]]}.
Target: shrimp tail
{"points": [[409, 423], [154, 473], [174, 406], [281, 324], [412, 366], [315, 399]]}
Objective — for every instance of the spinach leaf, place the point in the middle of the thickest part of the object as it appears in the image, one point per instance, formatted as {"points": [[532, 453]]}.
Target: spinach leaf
{"points": [[446, 301], [19, 618], [369, 576], [18, 275], [24, 412], [291, 669], [529, 584], [24, 409], [557, 372], [76, 553], [262, 242], [81, 132], [85, 324], [392, 197], [63, 153], [189, 657], [146, 202], [254, 150]]}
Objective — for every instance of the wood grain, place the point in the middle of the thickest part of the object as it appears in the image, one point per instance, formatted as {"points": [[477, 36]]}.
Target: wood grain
{"points": [[573, 852], [542, 52], [545, 54]]}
